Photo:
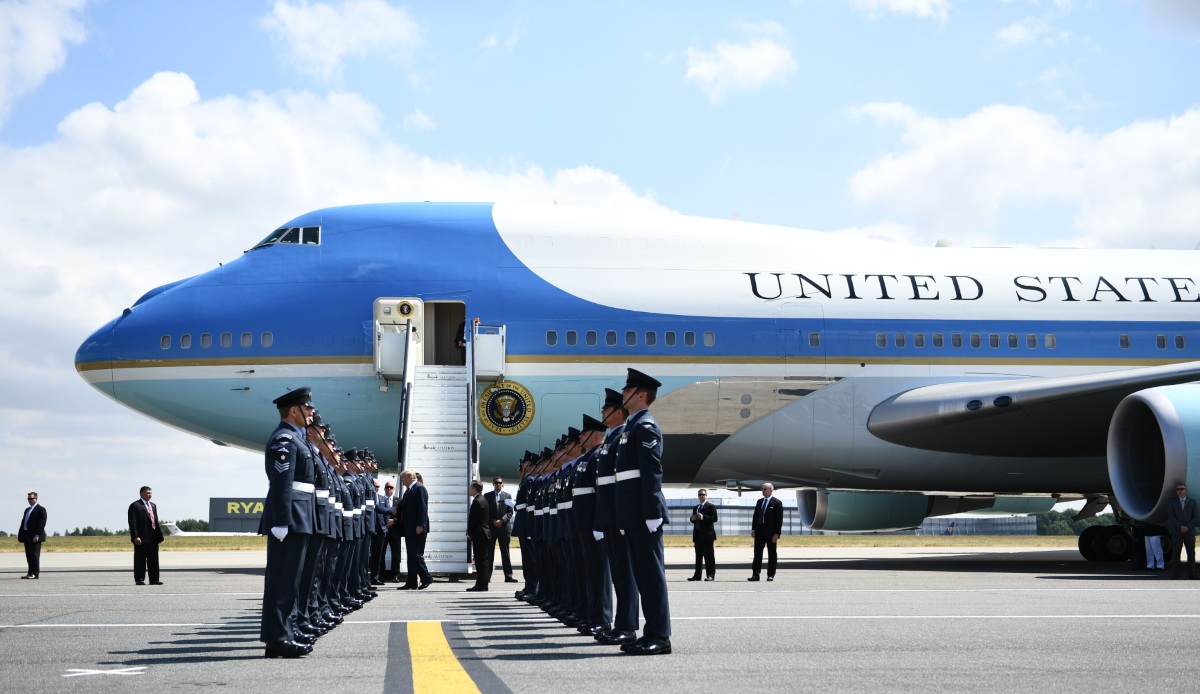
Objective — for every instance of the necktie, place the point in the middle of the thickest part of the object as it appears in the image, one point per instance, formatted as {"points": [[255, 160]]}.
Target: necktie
{"points": [[763, 512], [496, 503], [25, 524], [150, 510]]}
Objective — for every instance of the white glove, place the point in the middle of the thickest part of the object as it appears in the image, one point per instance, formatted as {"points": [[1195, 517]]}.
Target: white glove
{"points": [[510, 503], [653, 524], [622, 532], [598, 535], [280, 532]]}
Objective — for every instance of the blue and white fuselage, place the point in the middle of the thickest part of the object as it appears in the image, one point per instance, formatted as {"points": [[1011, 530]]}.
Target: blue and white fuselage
{"points": [[802, 358]]}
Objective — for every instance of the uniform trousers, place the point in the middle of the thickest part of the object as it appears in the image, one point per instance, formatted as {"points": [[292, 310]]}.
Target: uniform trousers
{"points": [[598, 579], [500, 540], [1188, 542], [528, 564], [649, 570], [624, 584], [281, 585], [310, 585]]}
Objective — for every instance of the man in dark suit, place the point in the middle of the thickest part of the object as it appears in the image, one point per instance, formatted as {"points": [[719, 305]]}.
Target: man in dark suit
{"points": [[704, 535], [414, 521], [145, 533], [33, 533], [1182, 519], [479, 532], [500, 513], [766, 529]]}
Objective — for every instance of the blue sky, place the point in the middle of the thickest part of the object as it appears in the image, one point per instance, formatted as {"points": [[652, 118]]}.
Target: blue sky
{"points": [[142, 142]]}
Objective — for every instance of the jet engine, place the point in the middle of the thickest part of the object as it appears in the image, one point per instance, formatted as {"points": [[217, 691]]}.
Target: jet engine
{"points": [[1153, 444]]}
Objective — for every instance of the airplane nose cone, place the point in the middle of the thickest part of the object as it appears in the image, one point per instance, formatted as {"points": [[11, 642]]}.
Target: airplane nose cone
{"points": [[93, 359]]}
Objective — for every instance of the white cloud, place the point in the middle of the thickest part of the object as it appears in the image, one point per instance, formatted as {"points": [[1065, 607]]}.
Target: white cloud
{"points": [[33, 43], [1136, 185], [161, 186], [319, 36], [1018, 33], [929, 9], [493, 41], [740, 66], [418, 120]]}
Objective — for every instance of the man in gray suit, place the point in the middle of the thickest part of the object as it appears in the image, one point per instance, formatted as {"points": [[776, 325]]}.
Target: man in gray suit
{"points": [[1182, 518]]}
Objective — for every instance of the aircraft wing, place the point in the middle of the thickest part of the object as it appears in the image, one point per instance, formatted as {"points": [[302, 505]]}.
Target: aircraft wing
{"points": [[1023, 417]]}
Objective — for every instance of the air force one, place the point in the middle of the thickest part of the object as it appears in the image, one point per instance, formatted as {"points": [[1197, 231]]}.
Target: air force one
{"points": [[885, 383]]}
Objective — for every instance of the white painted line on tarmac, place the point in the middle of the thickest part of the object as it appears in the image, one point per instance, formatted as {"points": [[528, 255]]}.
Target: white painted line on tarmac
{"points": [[79, 672], [139, 595]]}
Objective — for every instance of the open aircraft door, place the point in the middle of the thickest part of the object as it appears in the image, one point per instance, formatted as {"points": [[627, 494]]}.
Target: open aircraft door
{"points": [[395, 319]]}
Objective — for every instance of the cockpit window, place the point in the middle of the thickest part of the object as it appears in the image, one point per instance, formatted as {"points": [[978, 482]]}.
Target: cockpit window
{"points": [[307, 236]]}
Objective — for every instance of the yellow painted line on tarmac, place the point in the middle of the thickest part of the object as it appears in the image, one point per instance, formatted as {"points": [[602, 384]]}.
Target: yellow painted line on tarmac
{"points": [[435, 668]]}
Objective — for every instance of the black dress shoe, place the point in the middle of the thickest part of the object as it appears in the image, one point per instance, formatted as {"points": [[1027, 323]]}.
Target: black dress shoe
{"points": [[625, 647], [752, 578], [711, 578], [140, 583], [287, 649], [477, 589], [520, 595], [423, 586], [594, 629], [510, 579], [693, 578], [304, 639], [616, 638], [770, 578], [156, 583], [651, 647], [406, 587]]}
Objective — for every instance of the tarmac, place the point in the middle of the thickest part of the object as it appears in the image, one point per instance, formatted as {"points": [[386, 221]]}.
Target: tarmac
{"points": [[856, 619]]}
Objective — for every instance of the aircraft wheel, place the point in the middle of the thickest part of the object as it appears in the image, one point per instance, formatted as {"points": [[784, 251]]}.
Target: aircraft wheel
{"points": [[1114, 543], [1087, 543]]}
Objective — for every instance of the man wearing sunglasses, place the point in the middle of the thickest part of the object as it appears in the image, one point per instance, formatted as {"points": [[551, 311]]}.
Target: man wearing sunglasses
{"points": [[1182, 518], [32, 534]]}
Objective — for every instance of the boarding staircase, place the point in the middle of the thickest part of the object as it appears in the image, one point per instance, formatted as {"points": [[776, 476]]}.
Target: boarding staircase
{"points": [[438, 445]]}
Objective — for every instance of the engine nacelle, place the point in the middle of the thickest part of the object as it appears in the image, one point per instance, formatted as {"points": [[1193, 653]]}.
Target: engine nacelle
{"points": [[860, 511], [1153, 444]]}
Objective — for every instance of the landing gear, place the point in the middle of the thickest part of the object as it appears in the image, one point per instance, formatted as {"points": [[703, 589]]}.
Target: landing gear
{"points": [[1109, 543]]}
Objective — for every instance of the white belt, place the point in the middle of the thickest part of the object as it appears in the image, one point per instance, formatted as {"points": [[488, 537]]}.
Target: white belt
{"points": [[554, 511], [628, 475], [520, 507], [370, 502], [563, 505], [337, 505], [322, 493], [303, 487], [347, 514], [607, 479], [358, 511], [580, 491], [538, 512]]}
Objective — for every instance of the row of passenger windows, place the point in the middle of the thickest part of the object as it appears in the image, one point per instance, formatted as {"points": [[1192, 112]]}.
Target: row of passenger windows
{"points": [[650, 338], [226, 340], [956, 340], [1159, 340]]}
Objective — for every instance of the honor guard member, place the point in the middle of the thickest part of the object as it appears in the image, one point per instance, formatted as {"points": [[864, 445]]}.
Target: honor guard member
{"points": [[596, 576], [288, 521], [308, 621], [625, 616], [537, 500], [642, 510], [521, 525]]}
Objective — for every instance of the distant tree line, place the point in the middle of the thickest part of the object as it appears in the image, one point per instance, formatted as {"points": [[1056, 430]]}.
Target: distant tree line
{"points": [[1056, 523], [192, 525], [89, 531]]}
